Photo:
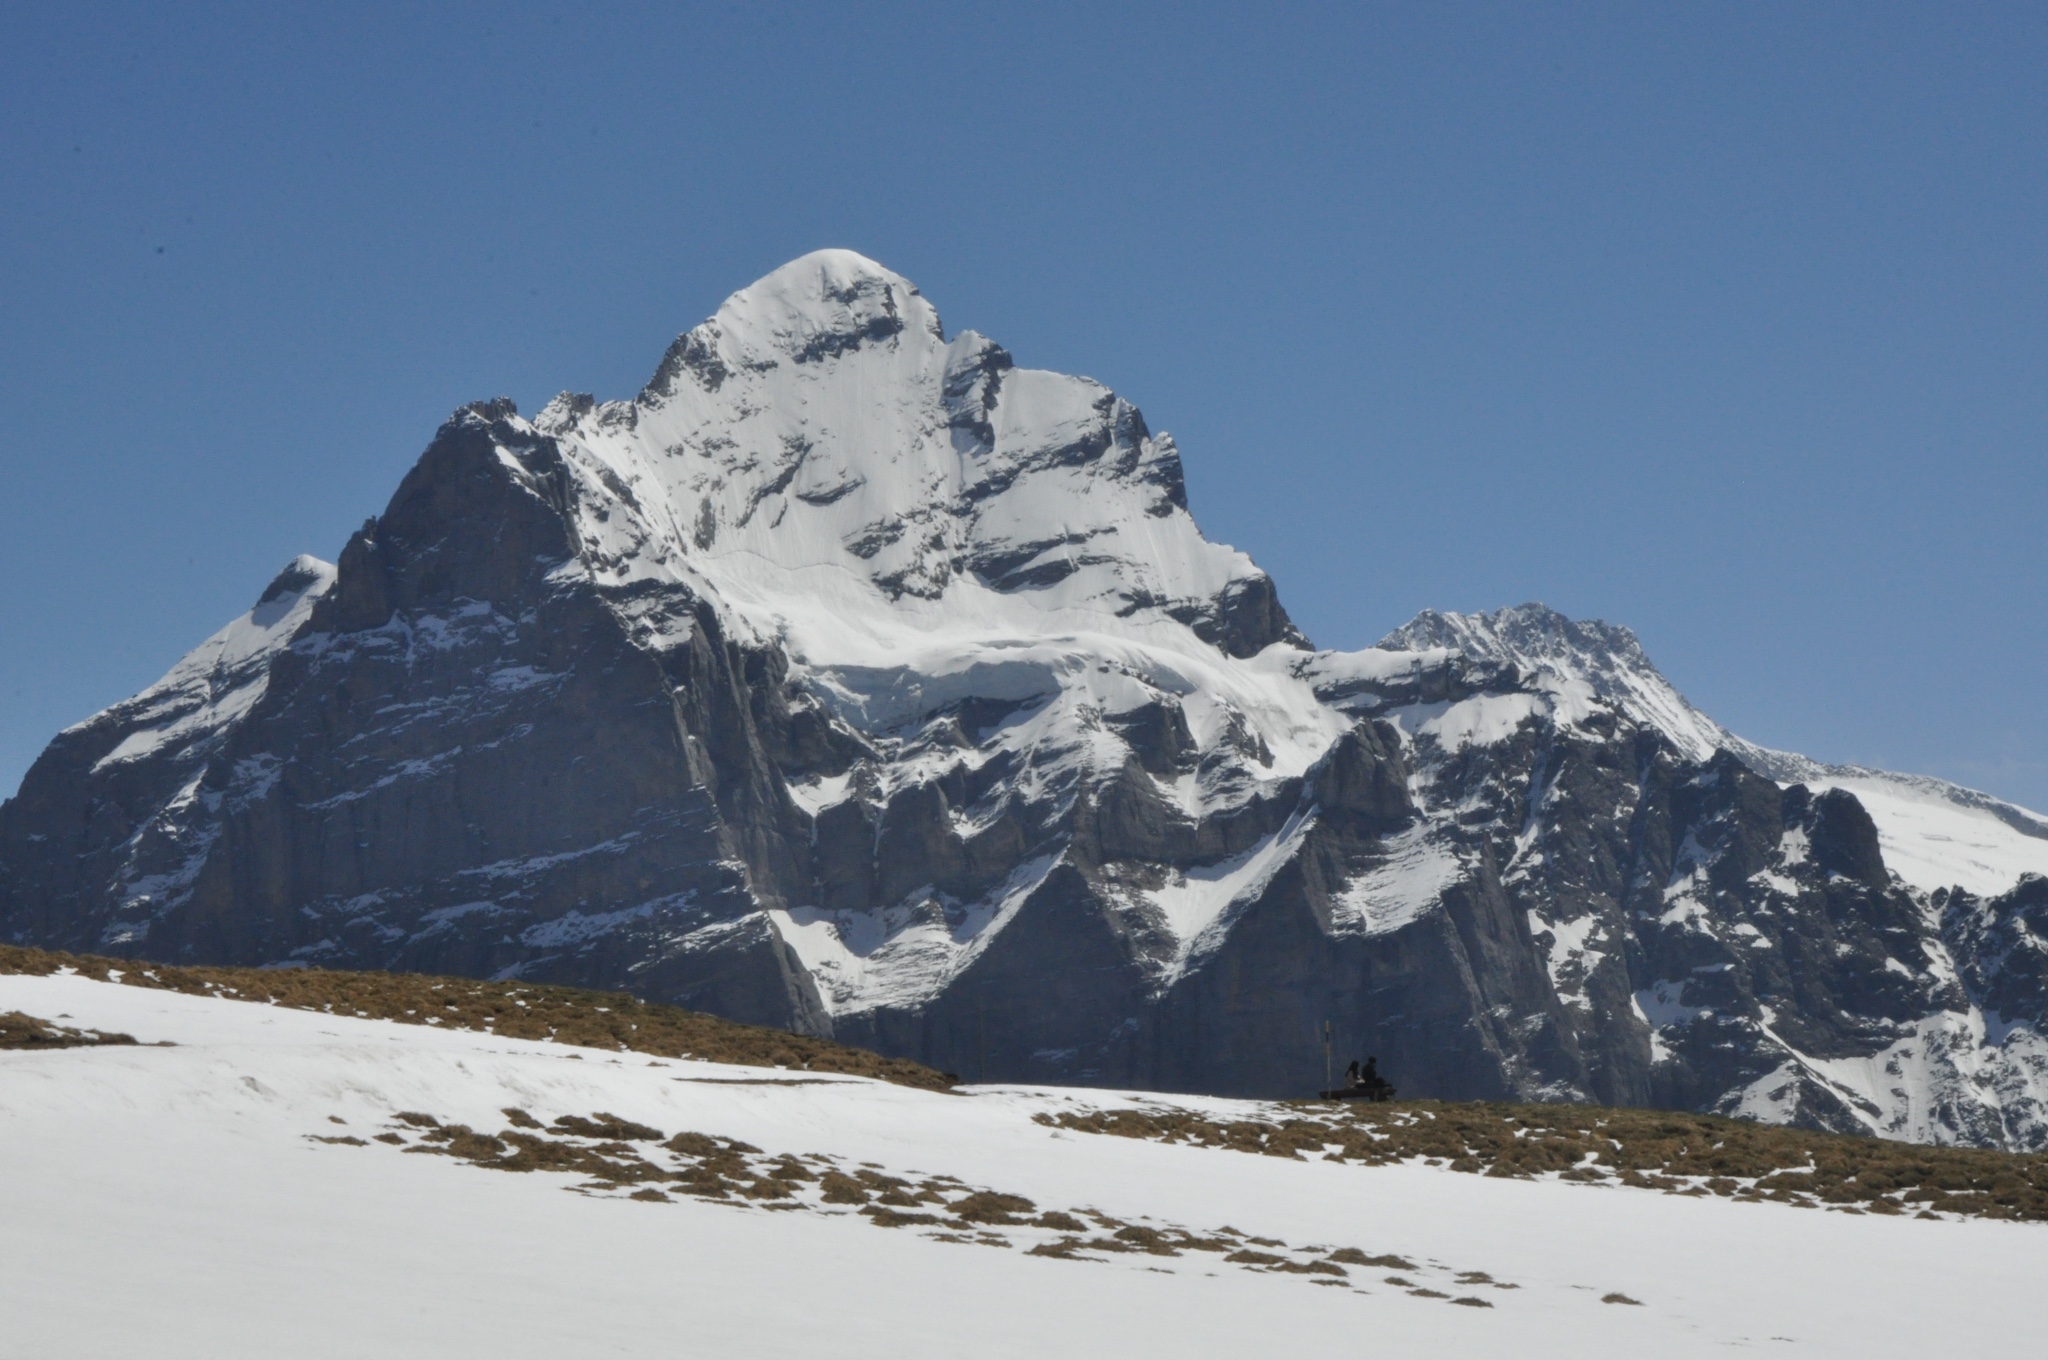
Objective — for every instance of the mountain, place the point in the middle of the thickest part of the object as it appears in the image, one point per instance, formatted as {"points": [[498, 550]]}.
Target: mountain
{"points": [[854, 680], [263, 1179]]}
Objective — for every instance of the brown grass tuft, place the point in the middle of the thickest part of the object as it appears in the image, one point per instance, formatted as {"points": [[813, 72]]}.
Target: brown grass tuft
{"points": [[838, 1188], [891, 1218], [1352, 1256], [1247, 1257], [609, 1127], [988, 1206], [26, 1031]]}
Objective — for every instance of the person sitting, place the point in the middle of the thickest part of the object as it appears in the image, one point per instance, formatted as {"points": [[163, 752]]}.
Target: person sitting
{"points": [[1351, 1073]]}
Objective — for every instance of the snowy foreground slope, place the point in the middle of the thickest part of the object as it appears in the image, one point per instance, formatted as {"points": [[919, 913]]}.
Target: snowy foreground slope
{"points": [[853, 679], [176, 1201]]}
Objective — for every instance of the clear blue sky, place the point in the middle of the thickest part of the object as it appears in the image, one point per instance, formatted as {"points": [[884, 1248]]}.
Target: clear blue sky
{"points": [[1725, 321]]}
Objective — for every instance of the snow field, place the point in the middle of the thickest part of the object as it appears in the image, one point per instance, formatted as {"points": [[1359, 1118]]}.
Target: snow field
{"points": [[168, 1201]]}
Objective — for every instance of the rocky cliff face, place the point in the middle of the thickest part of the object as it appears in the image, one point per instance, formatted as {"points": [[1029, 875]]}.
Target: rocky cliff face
{"points": [[851, 678]]}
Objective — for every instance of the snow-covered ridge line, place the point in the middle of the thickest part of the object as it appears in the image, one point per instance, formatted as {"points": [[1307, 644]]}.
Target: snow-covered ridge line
{"points": [[214, 684], [1936, 834]]}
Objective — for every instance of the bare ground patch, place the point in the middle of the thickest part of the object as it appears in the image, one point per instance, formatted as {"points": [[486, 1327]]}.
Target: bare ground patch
{"points": [[612, 1021], [26, 1031], [1679, 1153], [613, 1157]]}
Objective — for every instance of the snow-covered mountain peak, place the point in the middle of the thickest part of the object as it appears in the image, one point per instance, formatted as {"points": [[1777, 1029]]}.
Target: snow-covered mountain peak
{"points": [[303, 574], [1520, 633], [185, 715], [847, 480], [248, 642], [816, 306], [1553, 650]]}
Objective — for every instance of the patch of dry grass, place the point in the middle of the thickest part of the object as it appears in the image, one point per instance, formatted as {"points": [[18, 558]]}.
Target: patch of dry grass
{"points": [[613, 1156], [1658, 1149], [613, 1021], [26, 1031]]}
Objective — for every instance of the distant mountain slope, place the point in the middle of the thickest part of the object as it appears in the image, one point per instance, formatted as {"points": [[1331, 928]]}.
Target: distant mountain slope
{"points": [[852, 679]]}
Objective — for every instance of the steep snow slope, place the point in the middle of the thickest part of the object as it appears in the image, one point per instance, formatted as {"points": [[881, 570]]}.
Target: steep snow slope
{"points": [[218, 681], [176, 1201], [149, 756]]}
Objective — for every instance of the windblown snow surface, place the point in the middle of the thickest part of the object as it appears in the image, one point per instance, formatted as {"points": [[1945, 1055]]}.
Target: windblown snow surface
{"points": [[172, 1201]]}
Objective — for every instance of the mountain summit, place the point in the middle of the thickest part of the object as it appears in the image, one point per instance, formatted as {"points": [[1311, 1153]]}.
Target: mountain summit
{"points": [[842, 475], [855, 680]]}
